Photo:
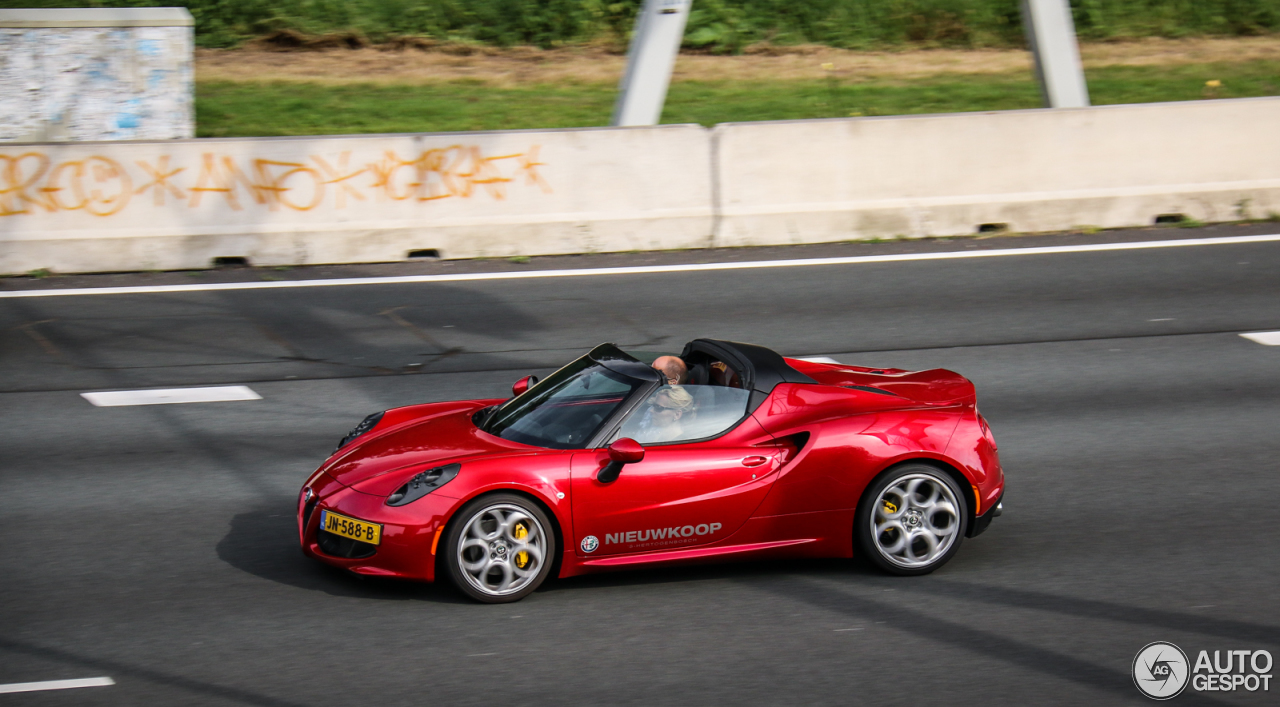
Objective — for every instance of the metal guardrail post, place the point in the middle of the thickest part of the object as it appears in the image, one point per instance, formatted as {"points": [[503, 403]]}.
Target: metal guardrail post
{"points": [[1052, 36], [650, 58]]}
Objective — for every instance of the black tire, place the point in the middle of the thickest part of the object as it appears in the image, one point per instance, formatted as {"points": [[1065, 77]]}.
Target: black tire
{"points": [[496, 552], [921, 532]]}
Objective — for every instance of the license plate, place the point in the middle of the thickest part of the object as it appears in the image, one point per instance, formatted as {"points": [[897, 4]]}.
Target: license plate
{"points": [[351, 528]]}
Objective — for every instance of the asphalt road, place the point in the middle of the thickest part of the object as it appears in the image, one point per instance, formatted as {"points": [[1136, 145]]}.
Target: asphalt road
{"points": [[155, 545]]}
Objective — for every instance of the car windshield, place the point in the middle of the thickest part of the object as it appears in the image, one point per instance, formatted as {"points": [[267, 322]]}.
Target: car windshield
{"points": [[565, 410]]}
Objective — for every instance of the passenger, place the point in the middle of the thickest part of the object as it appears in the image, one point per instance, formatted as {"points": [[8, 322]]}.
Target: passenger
{"points": [[660, 422], [674, 368]]}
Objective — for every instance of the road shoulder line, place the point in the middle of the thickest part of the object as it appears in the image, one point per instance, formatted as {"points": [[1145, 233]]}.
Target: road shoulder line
{"points": [[646, 269]]}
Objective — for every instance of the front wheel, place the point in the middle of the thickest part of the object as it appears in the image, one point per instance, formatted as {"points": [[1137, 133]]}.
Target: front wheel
{"points": [[911, 520], [500, 548]]}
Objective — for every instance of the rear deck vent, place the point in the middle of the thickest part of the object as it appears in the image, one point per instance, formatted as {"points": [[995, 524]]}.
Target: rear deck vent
{"points": [[1163, 219], [424, 253], [993, 228], [869, 389], [230, 261]]}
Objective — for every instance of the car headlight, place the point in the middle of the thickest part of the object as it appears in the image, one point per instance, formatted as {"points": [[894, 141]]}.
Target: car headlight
{"points": [[423, 484], [365, 425]]}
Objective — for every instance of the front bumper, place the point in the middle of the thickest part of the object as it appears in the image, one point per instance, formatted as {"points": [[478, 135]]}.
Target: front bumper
{"points": [[409, 532]]}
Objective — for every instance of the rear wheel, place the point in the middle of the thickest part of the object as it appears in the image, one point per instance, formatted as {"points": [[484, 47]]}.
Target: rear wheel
{"points": [[911, 520], [500, 548]]}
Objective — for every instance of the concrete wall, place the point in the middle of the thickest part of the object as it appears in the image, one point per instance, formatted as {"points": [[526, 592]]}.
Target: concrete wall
{"points": [[1035, 170], [175, 205], [172, 205], [95, 74]]}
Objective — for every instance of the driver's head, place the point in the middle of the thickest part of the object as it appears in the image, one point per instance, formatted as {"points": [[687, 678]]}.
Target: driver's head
{"points": [[673, 368]]}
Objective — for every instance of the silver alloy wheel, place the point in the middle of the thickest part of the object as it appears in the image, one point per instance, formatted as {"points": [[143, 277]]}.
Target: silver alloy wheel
{"points": [[502, 549], [915, 521]]}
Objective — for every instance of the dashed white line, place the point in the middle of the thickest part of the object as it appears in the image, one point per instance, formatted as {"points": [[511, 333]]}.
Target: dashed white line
{"points": [[1266, 338], [847, 629], [818, 359], [171, 396], [644, 269], [55, 685]]}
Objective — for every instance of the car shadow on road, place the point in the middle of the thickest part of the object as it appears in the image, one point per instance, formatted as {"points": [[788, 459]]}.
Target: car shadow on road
{"points": [[737, 571], [264, 543]]}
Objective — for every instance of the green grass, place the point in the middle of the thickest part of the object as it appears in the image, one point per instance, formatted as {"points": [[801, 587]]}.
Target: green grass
{"points": [[243, 109]]}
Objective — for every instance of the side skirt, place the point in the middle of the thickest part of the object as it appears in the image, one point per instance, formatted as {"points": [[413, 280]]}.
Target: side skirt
{"points": [[695, 554]]}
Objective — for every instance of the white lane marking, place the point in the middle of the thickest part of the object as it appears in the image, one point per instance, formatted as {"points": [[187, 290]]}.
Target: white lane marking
{"points": [[170, 396], [818, 359], [55, 685], [847, 629], [1266, 338], [1162, 319], [640, 270]]}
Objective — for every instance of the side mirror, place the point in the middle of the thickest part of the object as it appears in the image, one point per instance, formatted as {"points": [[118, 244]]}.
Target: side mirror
{"points": [[621, 452], [524, 384]]}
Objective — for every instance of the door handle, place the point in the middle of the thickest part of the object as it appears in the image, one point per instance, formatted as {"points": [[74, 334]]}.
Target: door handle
{"points": [[754, 461]]}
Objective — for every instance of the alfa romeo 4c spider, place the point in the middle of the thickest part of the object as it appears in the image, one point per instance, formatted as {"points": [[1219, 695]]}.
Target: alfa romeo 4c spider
{"points": [[606, 464]]}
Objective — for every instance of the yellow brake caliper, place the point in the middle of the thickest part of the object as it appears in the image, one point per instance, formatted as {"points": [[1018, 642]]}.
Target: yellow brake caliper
{"points": [[520, 532], [890, 508]]}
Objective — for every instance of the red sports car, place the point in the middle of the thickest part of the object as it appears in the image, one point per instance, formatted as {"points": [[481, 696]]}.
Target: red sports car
{"points": [[607, 464]]}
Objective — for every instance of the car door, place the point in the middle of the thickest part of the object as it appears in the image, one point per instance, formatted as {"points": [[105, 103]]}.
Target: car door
{"points": [[680, 495]]}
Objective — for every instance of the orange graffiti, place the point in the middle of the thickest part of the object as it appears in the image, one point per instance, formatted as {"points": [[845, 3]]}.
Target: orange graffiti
{"points": [[384, 174], [340, 198], [222, 181], [482, 171], [273, 186], [14, 184], [100, 171], [451, 172], [160, 179], [529, 165], [432, 162], [99, 185]]}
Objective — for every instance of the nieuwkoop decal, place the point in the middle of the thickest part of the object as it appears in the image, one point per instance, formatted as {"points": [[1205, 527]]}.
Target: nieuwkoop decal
{"points": [[640, 536]]}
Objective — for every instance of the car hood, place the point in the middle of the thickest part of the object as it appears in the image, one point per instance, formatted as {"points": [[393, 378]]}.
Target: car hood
{"points": [[440, 434]]}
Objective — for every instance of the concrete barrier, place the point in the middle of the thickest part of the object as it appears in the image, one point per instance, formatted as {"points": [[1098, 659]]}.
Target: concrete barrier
{"points": [[94, 207], [1027, 171]]}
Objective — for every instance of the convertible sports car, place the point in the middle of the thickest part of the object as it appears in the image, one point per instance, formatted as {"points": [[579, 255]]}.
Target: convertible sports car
{"points": [[607, 465]]}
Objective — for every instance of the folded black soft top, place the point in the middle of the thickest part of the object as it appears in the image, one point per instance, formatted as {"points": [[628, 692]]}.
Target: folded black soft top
{"points": [[761, 369]]}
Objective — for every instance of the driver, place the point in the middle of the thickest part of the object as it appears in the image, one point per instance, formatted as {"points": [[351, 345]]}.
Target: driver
{"points": [[660, 422], [673, 368]]}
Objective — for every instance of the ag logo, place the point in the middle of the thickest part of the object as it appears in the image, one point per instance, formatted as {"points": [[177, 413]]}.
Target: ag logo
{"points": [[591, 542], [1160, 670]]}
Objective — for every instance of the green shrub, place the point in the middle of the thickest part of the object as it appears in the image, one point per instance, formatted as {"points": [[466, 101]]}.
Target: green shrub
{"points": [[714, 25]]}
